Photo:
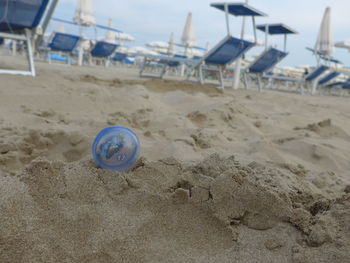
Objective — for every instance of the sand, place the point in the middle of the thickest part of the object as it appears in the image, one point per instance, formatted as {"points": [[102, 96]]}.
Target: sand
{"points": [[233, 176]]}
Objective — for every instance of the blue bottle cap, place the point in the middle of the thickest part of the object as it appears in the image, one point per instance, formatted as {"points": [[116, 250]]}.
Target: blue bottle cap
{"points": [[116, 148]]}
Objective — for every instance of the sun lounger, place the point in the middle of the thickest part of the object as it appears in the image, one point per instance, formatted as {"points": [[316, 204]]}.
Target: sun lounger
{"points": [[103, 51], [218, 58], [62, 43], [263, 65], [19, 19], [311, 79], [162, 63], [119, 57]]}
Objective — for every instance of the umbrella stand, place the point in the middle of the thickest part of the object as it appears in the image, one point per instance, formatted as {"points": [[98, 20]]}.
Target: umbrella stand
{"points": [[237, 72]]}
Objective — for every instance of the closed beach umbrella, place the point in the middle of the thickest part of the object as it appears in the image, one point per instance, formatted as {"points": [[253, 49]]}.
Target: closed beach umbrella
{"points": [[84, 13], [343, 44], [171, 45], [124, 37], [324, 44], [188, 37], [110, 35]]}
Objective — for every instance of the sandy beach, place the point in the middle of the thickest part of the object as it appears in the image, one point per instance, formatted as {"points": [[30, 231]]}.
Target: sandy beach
{"points": [[224, 176]]}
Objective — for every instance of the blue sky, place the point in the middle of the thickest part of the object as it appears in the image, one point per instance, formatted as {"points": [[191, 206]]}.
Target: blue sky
{"points": [[154, 20]]}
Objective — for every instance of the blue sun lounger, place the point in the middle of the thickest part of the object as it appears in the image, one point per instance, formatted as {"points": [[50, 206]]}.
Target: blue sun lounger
{"points": [[328, 78], [263, 65], [103, 51], [119, 57], [224, 53], [62, 42], [19, 19], [312, 79], [164, 63]]}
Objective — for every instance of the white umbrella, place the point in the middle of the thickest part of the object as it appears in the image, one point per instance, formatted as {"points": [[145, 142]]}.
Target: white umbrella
{"points": [[110, 35], [171, 45], [158, 44], [343, 44], [324, 44], [84, 13], [138, 50], [83, 16], [124, 37], [188, 37]]}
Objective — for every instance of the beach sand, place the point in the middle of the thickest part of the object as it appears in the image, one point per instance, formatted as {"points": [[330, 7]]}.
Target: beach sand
{"points": [[233, 176]]}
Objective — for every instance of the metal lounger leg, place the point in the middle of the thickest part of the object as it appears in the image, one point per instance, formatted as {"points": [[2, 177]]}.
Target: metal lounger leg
{"points": [[143, 67], [221, 78], [164, 70], [245, 78], [30, 52], [201, 79], [259, 83]]}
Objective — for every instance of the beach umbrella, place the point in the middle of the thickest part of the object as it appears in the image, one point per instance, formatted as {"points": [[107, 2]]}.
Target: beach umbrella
{"points": [[343, 44], [188, 37], [124, 37], [83, 16], [139, 50], [324, 43], [84, 13], [110, 35], [158, 44], [171, 45]]}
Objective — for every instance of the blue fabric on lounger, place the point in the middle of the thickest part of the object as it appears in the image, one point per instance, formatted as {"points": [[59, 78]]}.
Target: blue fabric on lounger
{"points": [[329, 77], [267, 61], [21, 14], [227, 51], [64, 42], [119, 57], [103, 49], [316, 73]]}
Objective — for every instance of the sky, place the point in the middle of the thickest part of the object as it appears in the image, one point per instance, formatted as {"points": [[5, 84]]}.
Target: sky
{"points": [[154, 20]]}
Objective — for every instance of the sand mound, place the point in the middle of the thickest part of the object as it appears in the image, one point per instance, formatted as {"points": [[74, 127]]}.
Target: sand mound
{"points": [[76, 212]]}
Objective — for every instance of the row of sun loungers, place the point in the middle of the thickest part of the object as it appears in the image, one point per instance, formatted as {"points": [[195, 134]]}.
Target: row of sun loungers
{"points": [[219, 59]]}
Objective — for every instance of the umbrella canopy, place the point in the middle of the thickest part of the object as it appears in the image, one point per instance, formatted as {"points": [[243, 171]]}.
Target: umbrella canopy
{"points": [[343, 44], [158, 44], [138, 50], [324, 44], [124, 37], [188, 37], [110, 35], [171, 45], [84, 13]]}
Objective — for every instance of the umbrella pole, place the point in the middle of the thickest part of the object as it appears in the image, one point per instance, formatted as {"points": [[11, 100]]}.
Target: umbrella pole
{"points": [[285, 42], [237, 72], [80, 55], [227, 20], [266, 35]]}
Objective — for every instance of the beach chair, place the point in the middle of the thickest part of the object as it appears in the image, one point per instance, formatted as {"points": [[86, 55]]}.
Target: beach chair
{"points": [[18, 21], [102, 51], [218, 58], [62, 43], [161, 64], [119, 57], [325, 82], [311, 80], [263, 65]]}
